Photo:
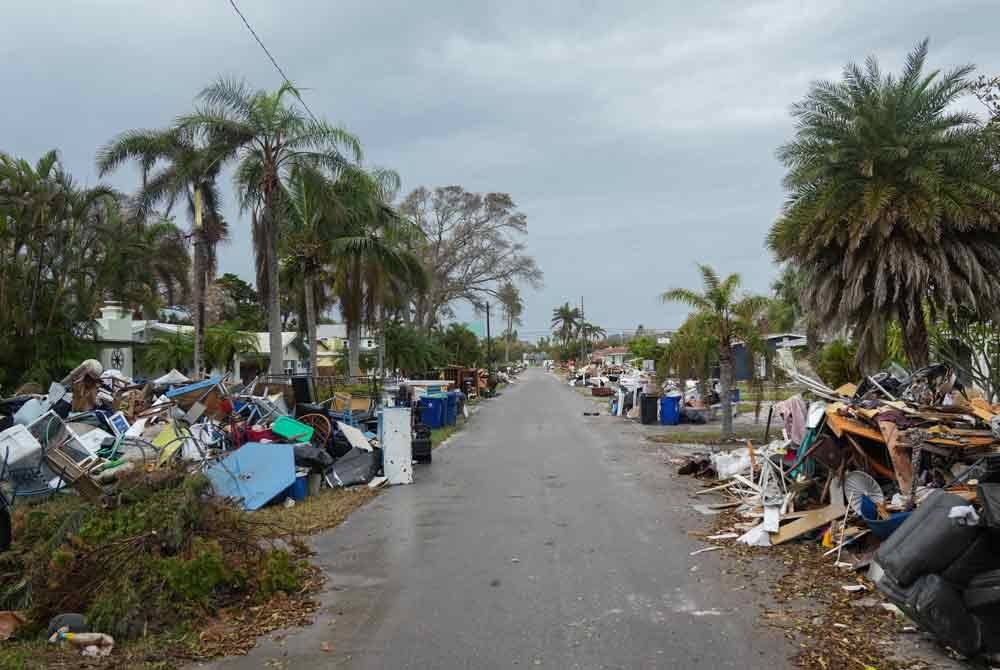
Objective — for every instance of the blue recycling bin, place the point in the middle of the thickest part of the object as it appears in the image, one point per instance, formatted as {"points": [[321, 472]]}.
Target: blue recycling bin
{"points": [[451, 411], [734, 394], [432, 410], [670, 410]]}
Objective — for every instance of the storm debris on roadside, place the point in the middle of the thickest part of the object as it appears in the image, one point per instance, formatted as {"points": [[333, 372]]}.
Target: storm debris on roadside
{"points": [[897, 476], [160, 481]]}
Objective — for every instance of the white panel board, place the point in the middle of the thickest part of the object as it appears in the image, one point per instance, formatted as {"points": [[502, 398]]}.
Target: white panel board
{"points": [[397, 448]]}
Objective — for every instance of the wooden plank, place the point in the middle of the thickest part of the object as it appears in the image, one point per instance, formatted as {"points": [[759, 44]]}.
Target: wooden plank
{"points": [[848, 390], [982, 409], [841, 424], [814, 519]]}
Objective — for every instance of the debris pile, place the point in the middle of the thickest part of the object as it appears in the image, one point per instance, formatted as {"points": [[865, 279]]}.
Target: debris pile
{"points": [[154, 478], [899, 473]]}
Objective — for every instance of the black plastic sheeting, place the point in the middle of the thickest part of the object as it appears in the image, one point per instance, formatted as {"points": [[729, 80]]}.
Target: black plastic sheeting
{"points": [[356, 467], [988, 496], [983, 593], [981, 556], [927, 542], [314, 458], [937, 606]]}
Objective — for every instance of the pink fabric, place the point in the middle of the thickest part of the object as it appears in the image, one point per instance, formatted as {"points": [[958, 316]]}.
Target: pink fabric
{"points": [[793, 414]]}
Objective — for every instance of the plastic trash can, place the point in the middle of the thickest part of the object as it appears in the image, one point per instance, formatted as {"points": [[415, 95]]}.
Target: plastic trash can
{"points": [[734, 394], [670, 410], [451, 411], [432, 408], [647, 409]]}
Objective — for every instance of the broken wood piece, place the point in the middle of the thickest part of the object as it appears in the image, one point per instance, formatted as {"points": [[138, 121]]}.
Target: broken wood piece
{"points": [[814, 519], [712, 489], [842, 424], [723, 536], [706, 549]]}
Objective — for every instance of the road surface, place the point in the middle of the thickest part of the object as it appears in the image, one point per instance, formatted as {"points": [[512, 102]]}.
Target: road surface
{"points": [[538, 538]]}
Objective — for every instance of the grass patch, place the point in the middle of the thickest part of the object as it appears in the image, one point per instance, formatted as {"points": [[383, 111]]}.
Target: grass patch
{"points": [[681, 435], [439, 435], [316, 513]]}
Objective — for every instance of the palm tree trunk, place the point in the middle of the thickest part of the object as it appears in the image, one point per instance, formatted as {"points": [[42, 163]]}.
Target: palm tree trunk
{"points": [[725, 382], [916, 342], [311, 323], [277, 365], [353, 348], [199, 288], [506, 343]]}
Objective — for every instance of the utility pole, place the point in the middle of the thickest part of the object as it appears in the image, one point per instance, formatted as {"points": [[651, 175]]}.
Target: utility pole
{"points": [[489, 342], [583, 320]]}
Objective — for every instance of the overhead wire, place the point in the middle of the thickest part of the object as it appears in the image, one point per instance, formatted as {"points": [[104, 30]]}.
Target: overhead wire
{"points": [[270, 57]]}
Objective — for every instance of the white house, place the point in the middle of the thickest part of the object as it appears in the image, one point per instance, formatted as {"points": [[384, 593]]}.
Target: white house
{"points": [[119, 337]]}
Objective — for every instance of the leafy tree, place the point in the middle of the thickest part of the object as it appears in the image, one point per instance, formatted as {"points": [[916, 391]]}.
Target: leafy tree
{"points": [[64, 250], [409, 349], [645, 347], [240, 304], [728, 317], [513, 307], [471, 248], [461, 346], [837, 364], [268, 134], [177, 166], [892, 204], [169, 351], [566, 322]]}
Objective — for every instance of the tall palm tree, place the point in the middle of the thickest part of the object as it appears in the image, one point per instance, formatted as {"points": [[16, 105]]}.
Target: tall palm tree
{"points": [[268, 133], [177, 164], [728, 316], [513, 307], [893, 205], [565, 320], [590, 332], [370, 251], [312, 221]]}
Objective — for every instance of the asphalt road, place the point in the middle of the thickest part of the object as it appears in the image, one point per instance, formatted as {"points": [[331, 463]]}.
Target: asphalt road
{"points": [[538, 538]]}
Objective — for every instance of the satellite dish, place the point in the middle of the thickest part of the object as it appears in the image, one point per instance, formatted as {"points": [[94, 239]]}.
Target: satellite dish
{"points": [[858, 483]]}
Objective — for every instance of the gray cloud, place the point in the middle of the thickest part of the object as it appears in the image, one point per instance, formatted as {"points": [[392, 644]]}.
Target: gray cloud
{"points": [[638, 137]]}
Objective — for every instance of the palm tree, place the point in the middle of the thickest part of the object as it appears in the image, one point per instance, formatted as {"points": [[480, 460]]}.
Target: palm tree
{"points": [[892, 204], [370, 252], [728, 317], [311, 223], [565, 320], [169, 351], [513, 307], [268, 134], [224, 342], [177, 165]]}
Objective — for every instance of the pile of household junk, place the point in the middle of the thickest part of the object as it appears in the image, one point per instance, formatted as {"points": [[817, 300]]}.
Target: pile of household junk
{"points": [[96, 425], [898, 474]]}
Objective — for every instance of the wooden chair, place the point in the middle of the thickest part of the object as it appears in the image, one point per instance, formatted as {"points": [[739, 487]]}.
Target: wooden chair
{"points": [[322, 429]]}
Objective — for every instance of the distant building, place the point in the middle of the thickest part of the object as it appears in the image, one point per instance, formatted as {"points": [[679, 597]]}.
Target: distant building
{"points": [[120, 338], [611, 355]]}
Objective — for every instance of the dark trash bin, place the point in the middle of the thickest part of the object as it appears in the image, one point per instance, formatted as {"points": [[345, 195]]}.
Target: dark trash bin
{"points": [[648, 408]]}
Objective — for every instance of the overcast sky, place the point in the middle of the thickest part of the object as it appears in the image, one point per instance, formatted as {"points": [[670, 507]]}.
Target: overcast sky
{"points": [[638, 137]]}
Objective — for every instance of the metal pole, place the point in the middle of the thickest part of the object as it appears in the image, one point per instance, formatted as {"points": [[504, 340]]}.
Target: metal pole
{"points": [[489, 342]]}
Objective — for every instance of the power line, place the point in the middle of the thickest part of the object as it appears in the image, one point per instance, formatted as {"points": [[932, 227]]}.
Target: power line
{"points": [[271, 58]]}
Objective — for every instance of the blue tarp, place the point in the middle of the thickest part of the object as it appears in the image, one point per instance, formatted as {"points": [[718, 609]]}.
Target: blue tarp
{"points": [[197, 386], [256, 473]]}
